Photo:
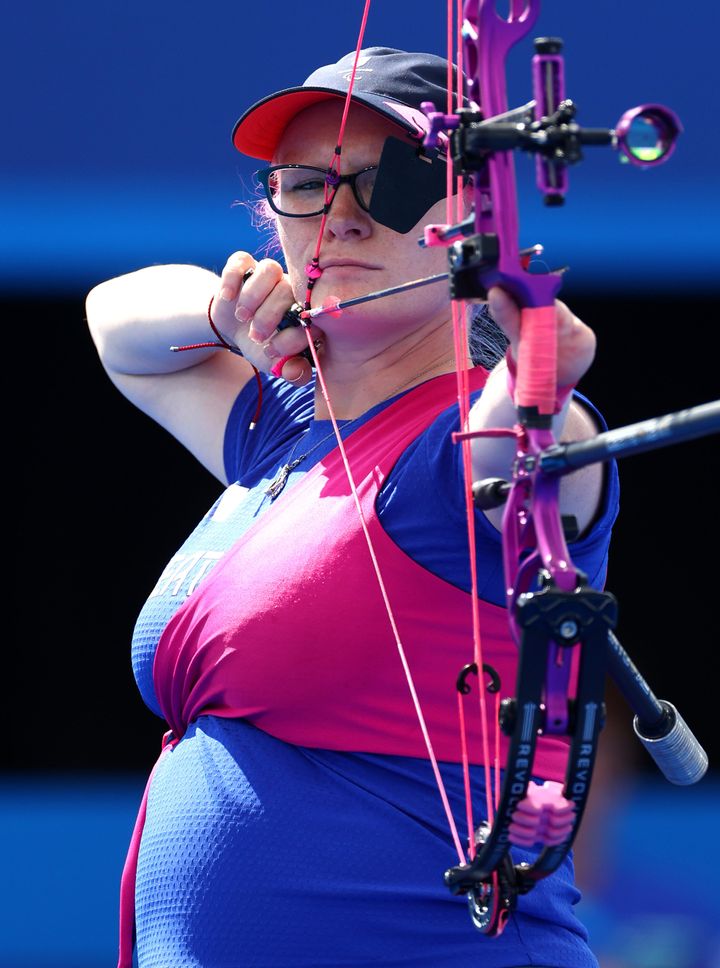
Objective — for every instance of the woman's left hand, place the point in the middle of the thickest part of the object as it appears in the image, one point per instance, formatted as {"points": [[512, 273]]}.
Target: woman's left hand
{"points": [[581, 491], [576, 342]]}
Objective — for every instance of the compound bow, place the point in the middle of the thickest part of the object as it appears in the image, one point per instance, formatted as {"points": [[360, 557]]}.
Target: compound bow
{"points": [[552, 611], [553, 614]]}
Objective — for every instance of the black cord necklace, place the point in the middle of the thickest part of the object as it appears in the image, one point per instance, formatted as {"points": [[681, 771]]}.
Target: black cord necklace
{"points": [[277, 484]]}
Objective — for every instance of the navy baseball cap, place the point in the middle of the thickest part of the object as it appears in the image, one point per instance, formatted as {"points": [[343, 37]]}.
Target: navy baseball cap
{"points": [[391, 82]]}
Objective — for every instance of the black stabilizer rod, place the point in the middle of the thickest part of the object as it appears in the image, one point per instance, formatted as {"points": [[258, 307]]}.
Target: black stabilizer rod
{"points": [[492, 492], [657, 724], [636, 438]]}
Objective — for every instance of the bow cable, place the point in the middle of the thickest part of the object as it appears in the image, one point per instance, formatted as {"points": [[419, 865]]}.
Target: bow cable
{"points": [[454, 215], [314, 272], [332, 179]]}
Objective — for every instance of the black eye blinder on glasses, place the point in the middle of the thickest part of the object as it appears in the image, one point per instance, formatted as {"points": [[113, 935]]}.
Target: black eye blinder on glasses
{"points": [[407, 184]]}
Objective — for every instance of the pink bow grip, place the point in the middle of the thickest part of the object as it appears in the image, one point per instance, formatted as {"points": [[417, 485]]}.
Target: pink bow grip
{"points": [[537, 367]]}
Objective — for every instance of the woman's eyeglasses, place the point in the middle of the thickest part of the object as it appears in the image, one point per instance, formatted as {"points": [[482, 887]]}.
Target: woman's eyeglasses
{"points": [[298, 191]]}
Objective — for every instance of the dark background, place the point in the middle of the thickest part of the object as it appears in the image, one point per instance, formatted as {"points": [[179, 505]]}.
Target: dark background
{"points": [[114, 154], [118, 155], [104, 496]]}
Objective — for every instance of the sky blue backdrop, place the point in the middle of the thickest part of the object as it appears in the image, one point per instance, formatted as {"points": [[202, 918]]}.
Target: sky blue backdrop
{"points": [[117, 121]]}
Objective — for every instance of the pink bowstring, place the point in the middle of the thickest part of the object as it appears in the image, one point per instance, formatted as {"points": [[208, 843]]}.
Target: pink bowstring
{"points": [[454, 212], [314, 272]]}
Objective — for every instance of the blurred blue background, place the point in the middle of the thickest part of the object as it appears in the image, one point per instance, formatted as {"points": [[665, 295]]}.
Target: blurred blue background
{"points": [[117, 121], [650, 896], [116, 154]]}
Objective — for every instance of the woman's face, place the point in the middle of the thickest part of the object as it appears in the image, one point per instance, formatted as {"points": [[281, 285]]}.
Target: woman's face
{"points": [[357, 254]]}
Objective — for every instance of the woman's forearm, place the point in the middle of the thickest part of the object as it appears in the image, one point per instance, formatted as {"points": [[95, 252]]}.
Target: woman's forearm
{"points": [[134, 319]]}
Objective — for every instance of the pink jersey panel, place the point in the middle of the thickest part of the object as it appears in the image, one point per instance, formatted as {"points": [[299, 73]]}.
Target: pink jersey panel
{"points": [[290, 632]]}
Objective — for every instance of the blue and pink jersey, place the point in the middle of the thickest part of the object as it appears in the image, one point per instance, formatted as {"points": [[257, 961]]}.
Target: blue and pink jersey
{"points": [[267, 648]]}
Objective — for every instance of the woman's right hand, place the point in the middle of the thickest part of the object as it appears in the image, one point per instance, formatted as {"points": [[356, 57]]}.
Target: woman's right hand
{"points": [[136, 319], [250, 302]]}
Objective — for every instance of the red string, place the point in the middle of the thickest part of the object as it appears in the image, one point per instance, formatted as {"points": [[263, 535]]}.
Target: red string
{"points": [[455, 213], [466, 778], [222, 343], [390, 613], [334, 165], [464, 437], [313, 275], [234, 349]]}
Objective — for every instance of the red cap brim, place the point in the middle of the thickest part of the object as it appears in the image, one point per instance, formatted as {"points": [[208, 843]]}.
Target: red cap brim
{"points": [[259, 130]]}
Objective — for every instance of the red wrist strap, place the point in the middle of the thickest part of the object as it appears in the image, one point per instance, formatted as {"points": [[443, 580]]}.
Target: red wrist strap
{"points": [[221, 343]]}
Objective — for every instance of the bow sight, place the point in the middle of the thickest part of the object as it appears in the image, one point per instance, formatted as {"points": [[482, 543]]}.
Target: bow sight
{"points": [[645, 136]]}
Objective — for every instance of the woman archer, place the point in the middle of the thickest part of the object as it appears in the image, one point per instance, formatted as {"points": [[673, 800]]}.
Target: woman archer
{"points": [[293, 818]]}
